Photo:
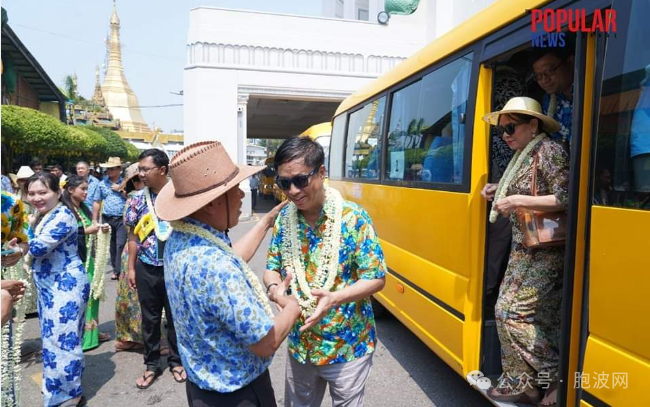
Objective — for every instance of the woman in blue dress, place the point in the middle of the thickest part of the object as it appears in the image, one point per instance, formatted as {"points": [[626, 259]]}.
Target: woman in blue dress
{"points": [[63, 290]]}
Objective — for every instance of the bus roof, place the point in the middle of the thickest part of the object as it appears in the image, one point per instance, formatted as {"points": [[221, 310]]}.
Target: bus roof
{"points": [[317, 130], [485, 22]]}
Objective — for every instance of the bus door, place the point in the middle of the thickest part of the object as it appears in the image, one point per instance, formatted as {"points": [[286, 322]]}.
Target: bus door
{"points": [[615, 368]]}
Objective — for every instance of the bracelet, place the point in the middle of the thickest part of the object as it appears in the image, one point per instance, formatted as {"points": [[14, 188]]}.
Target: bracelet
{"points": [[268, 288]]}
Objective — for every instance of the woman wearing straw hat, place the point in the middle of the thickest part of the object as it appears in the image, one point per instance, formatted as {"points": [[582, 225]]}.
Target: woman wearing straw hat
{"points": [[528, 307], [224, 324]]}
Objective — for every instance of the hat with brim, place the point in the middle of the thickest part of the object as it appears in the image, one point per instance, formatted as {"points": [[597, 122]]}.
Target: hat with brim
{"points": [[112, 162], [24, 172], [130, 173], [527, 106], [200, 173]]}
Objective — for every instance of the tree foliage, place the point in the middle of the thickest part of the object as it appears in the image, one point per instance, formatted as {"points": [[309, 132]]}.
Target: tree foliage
{"points": [[29, 131]]}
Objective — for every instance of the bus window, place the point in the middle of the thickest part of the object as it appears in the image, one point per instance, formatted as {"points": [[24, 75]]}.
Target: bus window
{"points": [[336, 146], [363, 148], [426, 133], [622, 176]]}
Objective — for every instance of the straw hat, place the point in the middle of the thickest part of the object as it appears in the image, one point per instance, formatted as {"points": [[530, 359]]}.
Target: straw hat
{"points": [[130, 173], [24, 172], [527, 106], [112, 162], [200, 173]]}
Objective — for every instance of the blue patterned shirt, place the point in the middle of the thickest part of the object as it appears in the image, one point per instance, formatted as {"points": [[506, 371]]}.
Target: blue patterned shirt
{"points": [[563, 115], [216, 313], [135, 210], [113, 201], [6, 184], [93, 192]]}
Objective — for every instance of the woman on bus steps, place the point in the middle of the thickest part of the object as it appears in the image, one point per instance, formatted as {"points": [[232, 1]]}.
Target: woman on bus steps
{"points": [[528, 307]]}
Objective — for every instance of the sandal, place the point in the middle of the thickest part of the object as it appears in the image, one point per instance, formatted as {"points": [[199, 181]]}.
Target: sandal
{"points": [[114, 276], [522, 398], [104, 337], [127, 346], [153, 375], [175, 371]]}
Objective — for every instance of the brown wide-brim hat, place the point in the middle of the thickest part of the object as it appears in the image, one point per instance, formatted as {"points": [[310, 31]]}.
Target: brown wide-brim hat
{"points": [[200, 172], [527, 106]]}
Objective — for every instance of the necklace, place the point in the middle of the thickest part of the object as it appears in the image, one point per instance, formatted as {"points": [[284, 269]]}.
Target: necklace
{"points": [[162, 229], [191, 229], [327, 264], [513, 168]]}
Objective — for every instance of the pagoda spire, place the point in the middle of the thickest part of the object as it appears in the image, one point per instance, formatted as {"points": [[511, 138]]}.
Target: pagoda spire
{"points": [[98, 98], [120, 99]]}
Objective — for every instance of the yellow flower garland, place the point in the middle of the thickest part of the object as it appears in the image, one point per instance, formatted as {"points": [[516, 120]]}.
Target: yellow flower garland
{"points": [[250, 276], [161, 235]]}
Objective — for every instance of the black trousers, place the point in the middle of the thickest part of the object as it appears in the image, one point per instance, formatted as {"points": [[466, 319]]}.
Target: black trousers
{"points": [[118, 240], [254, 197], [258, 393], [150, 282]]}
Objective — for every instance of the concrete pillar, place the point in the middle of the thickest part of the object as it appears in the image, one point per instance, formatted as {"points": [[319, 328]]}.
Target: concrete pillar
{"points": [[240, 157]]}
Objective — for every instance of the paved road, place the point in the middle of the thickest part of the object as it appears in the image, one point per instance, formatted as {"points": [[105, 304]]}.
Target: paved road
{"points": [[405, 372]]}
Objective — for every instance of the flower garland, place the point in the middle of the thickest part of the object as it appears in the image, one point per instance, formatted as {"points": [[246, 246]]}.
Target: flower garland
{"points": [[511, 171], [250, 276], [97, 247], [12, 339], [552, 106], [327, 264], [162, 229]]}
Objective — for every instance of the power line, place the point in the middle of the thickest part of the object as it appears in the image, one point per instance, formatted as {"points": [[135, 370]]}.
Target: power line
{"points": [[95, 42]]}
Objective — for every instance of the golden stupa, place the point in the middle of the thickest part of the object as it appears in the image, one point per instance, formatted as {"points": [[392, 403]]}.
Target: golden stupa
{"points": [[118, 96]]}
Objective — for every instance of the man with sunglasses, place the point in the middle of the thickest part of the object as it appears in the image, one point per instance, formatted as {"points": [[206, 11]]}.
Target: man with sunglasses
{"points": [[340, 265], [553, 72]]}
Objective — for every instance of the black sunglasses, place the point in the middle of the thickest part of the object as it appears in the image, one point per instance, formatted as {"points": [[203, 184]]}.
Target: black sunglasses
{"points": [[508, 128], [300, 181]]}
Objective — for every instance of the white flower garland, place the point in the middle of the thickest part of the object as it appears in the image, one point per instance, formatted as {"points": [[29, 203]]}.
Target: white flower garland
{"points": [[191, 229], [102, 247], [327, 265], [552, 106], [511, 171], [11, 377], [166, 231]]}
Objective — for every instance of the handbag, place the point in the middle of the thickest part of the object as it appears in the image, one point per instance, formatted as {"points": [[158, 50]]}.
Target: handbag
{"points": [[541, 229]]}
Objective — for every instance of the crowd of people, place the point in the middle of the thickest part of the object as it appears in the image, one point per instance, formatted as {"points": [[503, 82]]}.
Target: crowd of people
{"points": [[163, 227]]}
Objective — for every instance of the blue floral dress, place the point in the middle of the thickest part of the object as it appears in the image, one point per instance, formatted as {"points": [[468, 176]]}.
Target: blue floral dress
{"points": [[63, 291]]}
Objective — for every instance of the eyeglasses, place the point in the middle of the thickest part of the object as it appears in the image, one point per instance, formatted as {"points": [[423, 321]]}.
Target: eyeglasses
{"points": [[300, 181], [144, 170], [509, 129], [538, 76]]}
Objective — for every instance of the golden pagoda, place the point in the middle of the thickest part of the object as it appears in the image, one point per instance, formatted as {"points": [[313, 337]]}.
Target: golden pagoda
{"points": [[118, 95]]}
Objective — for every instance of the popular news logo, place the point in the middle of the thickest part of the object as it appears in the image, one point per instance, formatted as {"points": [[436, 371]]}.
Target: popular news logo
{"points": [[552, 20]]}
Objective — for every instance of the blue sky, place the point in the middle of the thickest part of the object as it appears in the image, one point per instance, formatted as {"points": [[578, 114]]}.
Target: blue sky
{"points": [[67, 36]]}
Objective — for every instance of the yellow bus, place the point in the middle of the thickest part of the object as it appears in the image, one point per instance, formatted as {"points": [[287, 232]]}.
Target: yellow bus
{"points": [[412, 149]]}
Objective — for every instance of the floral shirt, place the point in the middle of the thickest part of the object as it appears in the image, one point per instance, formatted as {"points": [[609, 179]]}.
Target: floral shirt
{"points": [[113, 201], [347, 332], [216, 313], [563, 115], [135, 210], [13, 221]]}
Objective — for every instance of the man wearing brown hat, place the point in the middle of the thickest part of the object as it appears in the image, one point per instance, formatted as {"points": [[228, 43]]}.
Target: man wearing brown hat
{"points": [[113, 204], [225, 327]]}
